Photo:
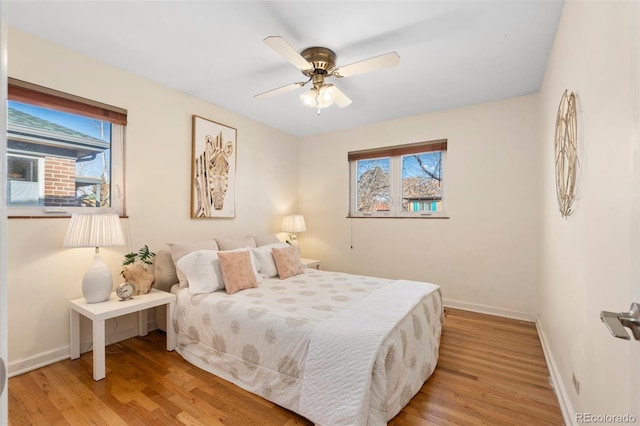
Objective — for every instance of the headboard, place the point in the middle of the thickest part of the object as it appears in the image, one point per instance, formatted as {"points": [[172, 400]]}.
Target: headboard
{"points": [[165, 271]]}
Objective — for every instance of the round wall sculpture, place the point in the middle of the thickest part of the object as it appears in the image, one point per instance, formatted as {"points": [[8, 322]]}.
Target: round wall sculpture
{"points": [[566, 144]]}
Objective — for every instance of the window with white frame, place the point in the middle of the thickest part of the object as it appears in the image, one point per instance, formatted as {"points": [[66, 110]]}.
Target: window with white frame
{"points": [[64, 153], [399, 181]]}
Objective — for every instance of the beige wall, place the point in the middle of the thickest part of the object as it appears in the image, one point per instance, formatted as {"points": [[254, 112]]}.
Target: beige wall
{"points": [[590, 261], [43, 276], [486, 254], [504, 249]]}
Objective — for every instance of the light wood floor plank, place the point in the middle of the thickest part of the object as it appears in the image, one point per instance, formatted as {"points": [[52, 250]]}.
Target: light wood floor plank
{"points": [[491, 371]]}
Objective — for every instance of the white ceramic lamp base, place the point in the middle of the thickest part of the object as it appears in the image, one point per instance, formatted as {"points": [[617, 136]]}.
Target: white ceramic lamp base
{"points": [[97, 282]]}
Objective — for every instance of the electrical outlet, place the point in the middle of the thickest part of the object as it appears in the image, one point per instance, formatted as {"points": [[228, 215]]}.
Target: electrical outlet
{"points": [[576, 383]]}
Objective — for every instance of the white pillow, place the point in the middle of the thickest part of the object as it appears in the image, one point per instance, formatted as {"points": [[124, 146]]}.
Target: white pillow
{"points": [[264, 256], [181, 249], [202, 270]]}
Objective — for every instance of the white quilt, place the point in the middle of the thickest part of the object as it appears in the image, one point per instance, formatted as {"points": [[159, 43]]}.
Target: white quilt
{"points": [[340, 360]]}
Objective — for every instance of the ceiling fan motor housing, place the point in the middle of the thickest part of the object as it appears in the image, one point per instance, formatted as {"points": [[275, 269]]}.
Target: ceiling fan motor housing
{"points": [[322, 59]]}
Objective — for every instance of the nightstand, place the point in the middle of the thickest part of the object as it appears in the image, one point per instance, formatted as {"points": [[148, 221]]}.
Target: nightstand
{"points": [[111, 308], [311, 263]]}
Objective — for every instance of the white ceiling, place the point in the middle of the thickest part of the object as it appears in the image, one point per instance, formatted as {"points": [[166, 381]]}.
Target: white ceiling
{"points": [[453, 53]]}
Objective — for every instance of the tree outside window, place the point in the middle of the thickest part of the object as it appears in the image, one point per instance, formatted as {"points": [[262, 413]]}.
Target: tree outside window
{"points": [[400, 181]]}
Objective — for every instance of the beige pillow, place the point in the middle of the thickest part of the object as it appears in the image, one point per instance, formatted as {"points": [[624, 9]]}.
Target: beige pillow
{"points": [[164, 270], [287, 261], [237, 270], [263, 240], [179, 250], [232, 244]]}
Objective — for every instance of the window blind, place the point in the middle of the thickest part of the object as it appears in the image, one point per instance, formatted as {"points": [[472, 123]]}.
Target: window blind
{"points": [[392, 151], [22, 91]]}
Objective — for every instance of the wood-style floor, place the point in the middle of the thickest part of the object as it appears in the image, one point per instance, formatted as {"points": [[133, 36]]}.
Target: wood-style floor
{"points": [[491, 372]]}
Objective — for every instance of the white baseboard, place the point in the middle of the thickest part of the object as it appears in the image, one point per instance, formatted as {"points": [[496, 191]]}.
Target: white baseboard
{"points": [[42, 359], [568, 414], [491, 310]]}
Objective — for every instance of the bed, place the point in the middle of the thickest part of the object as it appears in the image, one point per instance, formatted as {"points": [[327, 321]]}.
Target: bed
{"points": [[336, 348]]}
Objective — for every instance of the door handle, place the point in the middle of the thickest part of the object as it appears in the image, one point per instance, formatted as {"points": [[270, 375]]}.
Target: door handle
{"points": [[617, 321]]}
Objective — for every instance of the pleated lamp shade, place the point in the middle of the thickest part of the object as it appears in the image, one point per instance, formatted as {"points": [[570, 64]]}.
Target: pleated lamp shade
{"points": [[94, 230], [294, 223]]}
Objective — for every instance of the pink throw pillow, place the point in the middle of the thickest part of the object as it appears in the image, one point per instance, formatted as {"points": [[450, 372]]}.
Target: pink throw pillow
{"points": [[287, 261], [237, 270]]}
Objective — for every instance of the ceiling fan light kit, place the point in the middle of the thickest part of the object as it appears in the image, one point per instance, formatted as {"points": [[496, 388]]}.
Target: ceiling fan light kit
{"points": [[318, 63], [318, 98]]}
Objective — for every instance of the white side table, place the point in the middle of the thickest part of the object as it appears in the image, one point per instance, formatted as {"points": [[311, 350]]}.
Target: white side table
{"points": [[310, 263], [99, 312]]}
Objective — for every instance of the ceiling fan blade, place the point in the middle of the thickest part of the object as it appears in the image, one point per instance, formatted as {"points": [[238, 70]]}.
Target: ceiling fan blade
{"points": [[284, 49], [339, 98], [387, 60], [279, 90]]}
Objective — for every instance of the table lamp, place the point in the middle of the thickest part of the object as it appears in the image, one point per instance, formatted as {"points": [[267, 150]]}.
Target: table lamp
{"points": [[95, 230], [292, 224]]}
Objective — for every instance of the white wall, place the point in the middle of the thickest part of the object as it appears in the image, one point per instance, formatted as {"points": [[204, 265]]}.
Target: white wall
{"points": [[486, 253], [43, 276], [587, 262]]}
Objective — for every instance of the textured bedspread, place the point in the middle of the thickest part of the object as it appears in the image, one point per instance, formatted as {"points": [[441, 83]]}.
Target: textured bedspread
{"points": [[259, 338], [340, 362]]}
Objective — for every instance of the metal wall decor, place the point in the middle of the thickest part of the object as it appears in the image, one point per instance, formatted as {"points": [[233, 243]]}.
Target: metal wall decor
{"points": [[566, 144]]}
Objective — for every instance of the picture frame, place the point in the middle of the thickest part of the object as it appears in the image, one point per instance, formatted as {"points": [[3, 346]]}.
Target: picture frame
{"points": [[213, 169]]}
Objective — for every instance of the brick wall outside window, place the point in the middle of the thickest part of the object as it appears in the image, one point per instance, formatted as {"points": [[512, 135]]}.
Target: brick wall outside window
{"points": [[59, 182]]}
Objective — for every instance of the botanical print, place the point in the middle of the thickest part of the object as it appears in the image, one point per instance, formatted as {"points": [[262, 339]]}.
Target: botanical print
{"points": [[213, 169]]}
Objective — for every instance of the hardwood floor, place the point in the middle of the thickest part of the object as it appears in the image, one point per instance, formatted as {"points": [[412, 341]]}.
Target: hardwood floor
{"points": [[491, 371]]}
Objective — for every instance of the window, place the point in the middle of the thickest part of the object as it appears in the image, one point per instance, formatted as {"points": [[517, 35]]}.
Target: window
{"points": [[64, 153], [399, 181]]}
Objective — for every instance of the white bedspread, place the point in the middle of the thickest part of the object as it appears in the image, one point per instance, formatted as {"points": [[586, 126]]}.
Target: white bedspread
{"points": [[340, 360], [259, 339]]}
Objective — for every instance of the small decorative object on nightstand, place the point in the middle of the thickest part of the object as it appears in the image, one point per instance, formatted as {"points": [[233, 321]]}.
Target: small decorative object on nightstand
{"points": [[125, 291], [311, 263], [135, 272]]}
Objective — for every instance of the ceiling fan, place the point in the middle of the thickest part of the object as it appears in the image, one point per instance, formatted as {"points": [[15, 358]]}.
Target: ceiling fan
{"points": [[319, 63]]}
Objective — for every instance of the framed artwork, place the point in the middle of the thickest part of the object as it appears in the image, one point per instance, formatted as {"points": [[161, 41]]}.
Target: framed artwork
{"points": [[213, 169]]}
